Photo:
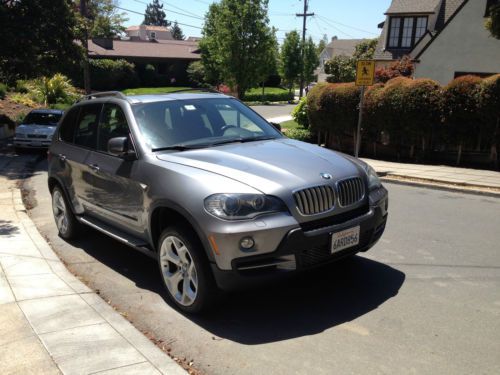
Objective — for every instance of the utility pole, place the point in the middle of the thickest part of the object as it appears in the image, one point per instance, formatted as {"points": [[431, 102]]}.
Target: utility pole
{"points": [[305, 15], [86, 67]]}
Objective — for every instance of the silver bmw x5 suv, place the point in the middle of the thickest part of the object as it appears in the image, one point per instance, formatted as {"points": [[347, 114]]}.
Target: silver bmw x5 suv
{"points": [[204, 184]]}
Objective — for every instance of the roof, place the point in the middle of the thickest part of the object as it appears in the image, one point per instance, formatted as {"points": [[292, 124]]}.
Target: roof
{"points": [[167, 49], [342, 47], [413, 6], [147, 27], [136, 99], [445, 10]]}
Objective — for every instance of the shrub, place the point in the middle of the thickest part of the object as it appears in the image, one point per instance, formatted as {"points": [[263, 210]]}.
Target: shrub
{"points": [[23, 99], [315, 116], [196, 73], [149, 77], [22, 86], [461, 98], [303, 135], [401, 68], [109, 74], [269, 97], [56, 89], [373, 114], [299, 113], [3, 90], [490, 107]]}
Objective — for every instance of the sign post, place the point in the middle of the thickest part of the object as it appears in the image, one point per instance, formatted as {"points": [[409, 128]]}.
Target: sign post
{"points": [[365, 76]]}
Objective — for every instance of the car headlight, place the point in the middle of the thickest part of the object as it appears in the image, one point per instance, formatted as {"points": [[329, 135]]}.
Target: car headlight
{"points": [[242, 206], [373, 180], [20, 135]]}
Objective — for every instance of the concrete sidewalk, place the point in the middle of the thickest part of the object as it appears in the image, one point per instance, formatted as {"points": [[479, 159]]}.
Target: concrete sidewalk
{"points": [[50, 322], [472, 179]]}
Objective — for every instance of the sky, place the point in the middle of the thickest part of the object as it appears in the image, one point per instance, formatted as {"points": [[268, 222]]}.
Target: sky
{"points": [[351, 19]]}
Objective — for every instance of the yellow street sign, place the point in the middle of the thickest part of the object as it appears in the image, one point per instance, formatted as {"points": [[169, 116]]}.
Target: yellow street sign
{"points": [[365, 73]]}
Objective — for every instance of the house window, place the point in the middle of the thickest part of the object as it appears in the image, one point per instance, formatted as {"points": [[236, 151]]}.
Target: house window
{"points": [[489, 4], [405, 32], [152, 35]]}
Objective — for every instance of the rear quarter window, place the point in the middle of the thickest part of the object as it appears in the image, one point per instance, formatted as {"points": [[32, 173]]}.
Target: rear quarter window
{"points": [[67, 129]]}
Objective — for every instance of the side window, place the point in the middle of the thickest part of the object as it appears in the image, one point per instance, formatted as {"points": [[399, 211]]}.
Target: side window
{"points": [[86, 128], [113, 124], [67, 129]]}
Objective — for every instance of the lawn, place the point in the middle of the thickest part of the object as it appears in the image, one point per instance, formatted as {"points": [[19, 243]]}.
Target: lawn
{"points": [[152, 90], [291, 124]]}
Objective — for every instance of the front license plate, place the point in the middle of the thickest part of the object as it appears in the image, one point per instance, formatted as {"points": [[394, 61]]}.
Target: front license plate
{"points": [[344, 239]]}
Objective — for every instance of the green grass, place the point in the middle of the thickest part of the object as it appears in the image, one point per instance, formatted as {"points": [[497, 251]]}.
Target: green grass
{"points": [[151, 90], [291, 124]]}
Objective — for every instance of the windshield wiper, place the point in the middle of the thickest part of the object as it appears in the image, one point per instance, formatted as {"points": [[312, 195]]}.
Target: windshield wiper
{"points": [[243, 140], [179, 147]]}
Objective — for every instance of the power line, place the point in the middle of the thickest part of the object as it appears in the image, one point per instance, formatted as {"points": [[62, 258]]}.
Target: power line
{"points": [[336, 28], [192, 15], [350, 27], [142, 14]]}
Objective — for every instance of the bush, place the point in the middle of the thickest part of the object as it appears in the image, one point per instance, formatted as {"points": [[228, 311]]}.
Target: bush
{"points": [[22, 86], [299, 113], [490, 107], [303, 135], [3, 90], [269, 97], [149, 77], [196, 73], [315, 116], [109, 74], [401, 68], [56, 89]]}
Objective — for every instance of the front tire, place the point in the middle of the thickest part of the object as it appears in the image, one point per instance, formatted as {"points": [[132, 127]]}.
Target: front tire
{"points": [[66, 222], [185, 271]]}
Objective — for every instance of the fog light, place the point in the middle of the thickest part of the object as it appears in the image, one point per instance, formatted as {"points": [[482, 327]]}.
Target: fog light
{"points": [[247, 243]]}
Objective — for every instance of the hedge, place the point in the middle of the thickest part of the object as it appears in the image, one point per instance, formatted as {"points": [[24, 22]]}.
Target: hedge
{"points": [[414, 117], [109, 74], [269, 97]]}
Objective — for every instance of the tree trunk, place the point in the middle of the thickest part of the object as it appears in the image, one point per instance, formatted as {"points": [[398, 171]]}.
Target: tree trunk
{"points": [[375, 149], [319, 138], [412, 151], [493, 150], [459, 154], [263, 91], [478, 144]]}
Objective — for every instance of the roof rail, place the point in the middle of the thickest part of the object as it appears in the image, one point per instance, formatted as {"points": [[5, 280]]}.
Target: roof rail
{"points": [[95, 95], [195, 89]]}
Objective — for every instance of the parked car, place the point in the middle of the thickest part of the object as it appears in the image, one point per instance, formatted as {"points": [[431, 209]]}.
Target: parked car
{"points": [[210, 189], [37, 128]]}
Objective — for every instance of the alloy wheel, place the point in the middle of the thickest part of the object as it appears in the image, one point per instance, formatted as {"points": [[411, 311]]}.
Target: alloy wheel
{"points": [[60, 211]]}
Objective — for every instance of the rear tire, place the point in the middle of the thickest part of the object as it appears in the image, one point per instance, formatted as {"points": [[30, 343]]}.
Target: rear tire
{"points": [[66, 222], [185, 271]]}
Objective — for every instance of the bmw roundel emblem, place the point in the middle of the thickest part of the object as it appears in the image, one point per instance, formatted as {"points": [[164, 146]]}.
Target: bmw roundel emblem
{"points": [[326, 176]]}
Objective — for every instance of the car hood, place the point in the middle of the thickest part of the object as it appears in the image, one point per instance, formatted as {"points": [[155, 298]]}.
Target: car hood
{"points": [[270, 166], [36, 129]]}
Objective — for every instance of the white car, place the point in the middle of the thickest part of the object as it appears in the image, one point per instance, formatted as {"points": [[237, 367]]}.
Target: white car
{"points": [[37, 128]]}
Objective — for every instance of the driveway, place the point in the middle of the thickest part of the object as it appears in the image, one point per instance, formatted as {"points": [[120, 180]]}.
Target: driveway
{"points": [[425, 299]]}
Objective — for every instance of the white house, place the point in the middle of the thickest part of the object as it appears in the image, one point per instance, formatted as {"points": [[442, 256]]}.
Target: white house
{"points": [[445, 38], [147, 32], [336, 47]]}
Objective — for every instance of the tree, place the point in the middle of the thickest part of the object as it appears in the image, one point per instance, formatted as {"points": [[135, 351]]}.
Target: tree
{"points": [[154, 15], [365, 50], [340, 68], [177, 33], [311, 60], [37, 39], [236, 36], [269, 60], [493, 21], [104, 19], [322, 44], [290, 58], [196, 73]]}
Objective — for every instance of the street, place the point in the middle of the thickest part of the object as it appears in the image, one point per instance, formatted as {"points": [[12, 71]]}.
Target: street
{"points": [[425, 299]]}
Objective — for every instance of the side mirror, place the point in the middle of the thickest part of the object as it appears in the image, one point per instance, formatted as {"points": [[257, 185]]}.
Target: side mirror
{"points": [[119, 146], [276, 126]]}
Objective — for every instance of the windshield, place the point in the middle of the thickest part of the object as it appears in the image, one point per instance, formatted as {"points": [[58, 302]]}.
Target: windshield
{"points": [[196, 123], [42, 119]]}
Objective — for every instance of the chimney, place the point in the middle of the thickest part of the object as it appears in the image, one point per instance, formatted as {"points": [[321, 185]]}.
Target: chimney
{"points": [[334, 38], [106, 43]]}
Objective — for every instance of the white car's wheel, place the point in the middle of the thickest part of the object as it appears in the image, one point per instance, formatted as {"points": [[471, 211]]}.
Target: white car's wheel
{"points": [[184, 270]]}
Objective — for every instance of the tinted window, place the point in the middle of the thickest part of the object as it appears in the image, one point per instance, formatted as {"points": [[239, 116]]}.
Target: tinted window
{"points": [[198, 122], [113, 124], [67, 130], [35, 118], [86, 129]]}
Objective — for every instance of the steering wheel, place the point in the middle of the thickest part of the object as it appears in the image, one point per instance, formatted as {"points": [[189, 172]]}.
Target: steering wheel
{"points": [[224, 128]]}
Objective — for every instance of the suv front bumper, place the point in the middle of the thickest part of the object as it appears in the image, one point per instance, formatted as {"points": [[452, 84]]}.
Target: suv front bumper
{"points": [[301, 250]]}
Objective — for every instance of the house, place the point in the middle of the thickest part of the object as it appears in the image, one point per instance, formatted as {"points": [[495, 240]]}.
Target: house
{"points": [[336, 47], [149, 45], [147, 32], [444, 38]]}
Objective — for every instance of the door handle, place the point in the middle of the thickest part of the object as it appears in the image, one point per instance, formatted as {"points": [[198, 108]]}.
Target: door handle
{"points": [[62, 157], [94, 167]]}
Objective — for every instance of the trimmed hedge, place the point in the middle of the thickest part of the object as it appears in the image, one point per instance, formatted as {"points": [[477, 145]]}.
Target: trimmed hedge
{"points": [[109, 74], [415, 118], [269, 97]]}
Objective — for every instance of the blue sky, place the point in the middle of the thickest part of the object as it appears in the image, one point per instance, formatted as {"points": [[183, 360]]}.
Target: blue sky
{"points": [[346, 19]]}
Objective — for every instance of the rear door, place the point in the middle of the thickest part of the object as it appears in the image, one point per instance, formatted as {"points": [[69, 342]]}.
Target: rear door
{"points": [[118, 197], [77, 135]]}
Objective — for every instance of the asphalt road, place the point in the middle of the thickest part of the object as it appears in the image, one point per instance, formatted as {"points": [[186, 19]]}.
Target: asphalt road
{"points": [[425, 299]]}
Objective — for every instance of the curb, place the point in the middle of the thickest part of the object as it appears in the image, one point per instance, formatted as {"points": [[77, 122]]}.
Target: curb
{"points": [[438, 185]]}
